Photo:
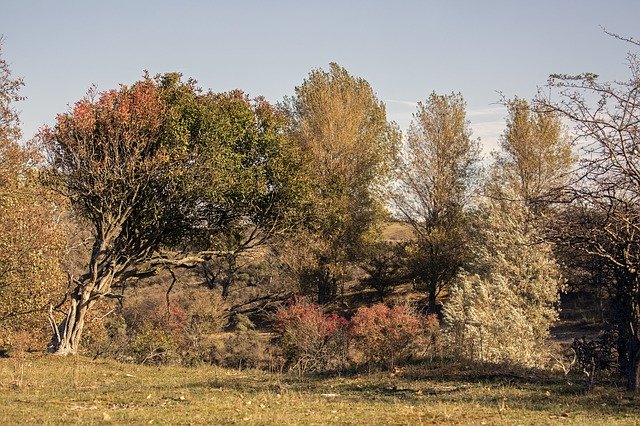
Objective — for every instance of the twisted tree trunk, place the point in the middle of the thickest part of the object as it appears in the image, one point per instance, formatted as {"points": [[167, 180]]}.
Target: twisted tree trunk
{"points": [[68, 334], [67, 337]]}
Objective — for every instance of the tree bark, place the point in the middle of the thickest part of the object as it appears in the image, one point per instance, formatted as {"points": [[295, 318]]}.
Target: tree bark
{"points": [[68, 336], [631, 328], [432, 290], [67, 340], [633, 379]]}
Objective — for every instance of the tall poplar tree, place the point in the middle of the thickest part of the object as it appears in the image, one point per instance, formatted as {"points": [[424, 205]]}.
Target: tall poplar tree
{"points": [[437, 175], [350, 148]]}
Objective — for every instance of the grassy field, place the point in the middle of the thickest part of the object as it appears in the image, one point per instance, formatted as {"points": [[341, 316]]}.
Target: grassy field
{"points": [[79, 390]]}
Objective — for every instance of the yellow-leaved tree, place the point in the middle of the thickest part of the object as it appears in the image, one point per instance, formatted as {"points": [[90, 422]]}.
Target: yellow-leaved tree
{"points": [[31, 240]]}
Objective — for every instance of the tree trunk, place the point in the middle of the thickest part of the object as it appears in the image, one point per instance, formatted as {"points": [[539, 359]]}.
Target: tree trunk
{"points": [[230, 278], [633, 378], [226, 287], [67, 339], [432, 290], [327, 286], [630, 317], [68, 335]]}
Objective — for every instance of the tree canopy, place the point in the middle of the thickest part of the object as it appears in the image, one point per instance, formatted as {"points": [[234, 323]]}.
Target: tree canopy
{"points": [[536, 158], [31, 238], [500, 308], [438, 172], [350, 149], [160, 166]]}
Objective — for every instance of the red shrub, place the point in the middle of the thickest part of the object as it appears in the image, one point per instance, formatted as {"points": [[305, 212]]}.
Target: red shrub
{"points": [[385, 335], [311, 340]]}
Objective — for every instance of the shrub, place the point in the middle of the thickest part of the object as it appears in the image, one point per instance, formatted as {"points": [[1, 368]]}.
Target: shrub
{"points": [[387, 335], [247, 349], [104, 329], [595, 356], [431, 341], [145, 329], [309, 339], [206, 314], [501, 309], [155, 330]]}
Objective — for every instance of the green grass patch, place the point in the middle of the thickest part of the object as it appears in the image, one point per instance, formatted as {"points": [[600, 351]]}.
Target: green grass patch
{"points": [[70, 390]]}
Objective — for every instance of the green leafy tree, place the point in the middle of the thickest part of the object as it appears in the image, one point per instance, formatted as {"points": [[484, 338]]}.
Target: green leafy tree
{"points": [[437, 175], [350, 148], [162, 172]]}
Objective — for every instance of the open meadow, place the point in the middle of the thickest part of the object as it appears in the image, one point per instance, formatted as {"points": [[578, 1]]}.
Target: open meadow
{"points": [[56, 390]]}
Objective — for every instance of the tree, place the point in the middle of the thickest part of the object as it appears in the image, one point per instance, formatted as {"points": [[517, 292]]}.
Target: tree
{"points": [[31, 241], [501, 306], [437, 175], [350, 148], [606, 190], [160, 171], [536, 156]]}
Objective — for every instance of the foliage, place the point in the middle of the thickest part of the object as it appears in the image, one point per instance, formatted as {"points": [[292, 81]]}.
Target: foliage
{"points": [[594, 355], [248, 349], [31, 250], [436, 178], [350, 148], [161, 165], [385, 262], [31, 239], [153, 326], [155, 330], [9, 94], [388, 335], [311, 340], [500, 309], [536, 157]]}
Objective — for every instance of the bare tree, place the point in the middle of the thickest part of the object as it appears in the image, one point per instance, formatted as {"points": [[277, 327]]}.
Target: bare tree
{"points": [[606, 190]]}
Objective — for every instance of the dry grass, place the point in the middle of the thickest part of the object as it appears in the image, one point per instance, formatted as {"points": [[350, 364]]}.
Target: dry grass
{"points": [[79, 390], [393, 231]]}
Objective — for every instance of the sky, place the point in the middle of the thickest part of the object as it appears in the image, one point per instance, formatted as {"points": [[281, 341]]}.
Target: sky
{"points": [[404, 49]]}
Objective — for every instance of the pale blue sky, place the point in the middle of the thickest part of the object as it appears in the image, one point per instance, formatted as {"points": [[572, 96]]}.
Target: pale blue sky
{"points": [[405, 49]]}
